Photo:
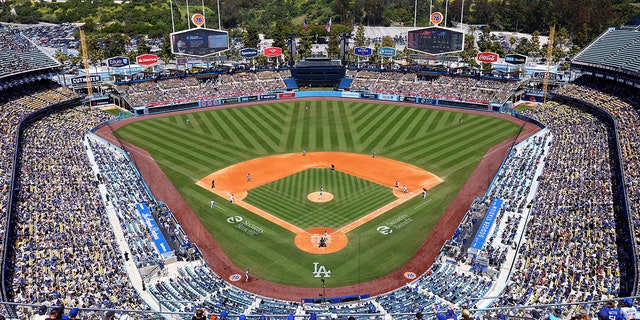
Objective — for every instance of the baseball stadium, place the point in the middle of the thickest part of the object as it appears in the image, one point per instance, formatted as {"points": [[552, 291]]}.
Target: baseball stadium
{"points": [[320, 187]]}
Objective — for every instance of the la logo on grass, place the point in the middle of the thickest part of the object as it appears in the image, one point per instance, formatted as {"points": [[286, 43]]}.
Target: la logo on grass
{"points": [[320, 271]]}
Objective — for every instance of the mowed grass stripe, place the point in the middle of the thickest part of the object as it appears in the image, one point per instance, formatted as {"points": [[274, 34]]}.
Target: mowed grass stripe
{"points": [[214, 123], [366, 130], [293, 131], [389, 129], [272, 120], [200, 124], [402, 127], [247, 123], [343, 127], [270, 134], [429, 147], [217, 148], [365, 114], [173, 143], [331, 127], [491, 133], [419, 141], [240, 131]]}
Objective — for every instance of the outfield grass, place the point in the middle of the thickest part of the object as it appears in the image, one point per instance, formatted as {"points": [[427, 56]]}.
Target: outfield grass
{"points": [[431, 139]]}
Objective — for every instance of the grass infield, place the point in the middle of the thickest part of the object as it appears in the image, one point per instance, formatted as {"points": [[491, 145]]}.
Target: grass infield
{"points": [[432, 139]]}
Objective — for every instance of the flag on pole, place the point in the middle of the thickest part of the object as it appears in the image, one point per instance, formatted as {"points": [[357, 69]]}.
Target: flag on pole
{"points": [[328, 27], [305, 25]]}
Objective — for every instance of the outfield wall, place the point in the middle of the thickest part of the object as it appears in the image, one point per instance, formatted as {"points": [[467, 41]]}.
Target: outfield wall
{"points": [[481, 106]]}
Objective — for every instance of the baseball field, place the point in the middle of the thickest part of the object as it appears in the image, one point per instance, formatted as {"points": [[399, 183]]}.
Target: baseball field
{"points": [[274, 225]]}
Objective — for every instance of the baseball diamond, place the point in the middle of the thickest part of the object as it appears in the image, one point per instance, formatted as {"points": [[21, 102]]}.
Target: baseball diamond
{"points": [[429, 139]]}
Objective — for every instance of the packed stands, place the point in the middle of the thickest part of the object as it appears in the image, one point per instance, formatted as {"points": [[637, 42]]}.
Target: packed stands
{"points": [[573, 207], [459, 88], [20, 55]]}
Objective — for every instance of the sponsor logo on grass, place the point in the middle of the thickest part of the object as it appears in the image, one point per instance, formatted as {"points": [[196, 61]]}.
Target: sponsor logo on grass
{"points": [[245, 225], [384, 230], [320, 271], [397, 223], [234, 219]]}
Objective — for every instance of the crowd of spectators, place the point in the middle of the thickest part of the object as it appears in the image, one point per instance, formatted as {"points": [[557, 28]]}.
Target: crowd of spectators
{"points": [[452, 87], [124, 190], [623, 104], [58, 36], [19, 54], [64, 249], [179, 90], [572, 213]]}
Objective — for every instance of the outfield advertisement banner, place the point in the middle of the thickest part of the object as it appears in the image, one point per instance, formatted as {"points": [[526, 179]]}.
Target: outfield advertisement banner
{"points": [[270, 96], [349, 94], [373, 96], [248, 98], [408, 99], [287, 95], [156, 234], [228, 100], [208, 103], [427, 101], [388, 97]]}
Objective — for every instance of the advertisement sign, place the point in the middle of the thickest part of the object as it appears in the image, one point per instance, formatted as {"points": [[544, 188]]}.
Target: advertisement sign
{"points": [[156, 235], [147, 59], [287, 95], [197, 19], [228, 100], [349, 94], [363, 51], [409, 99], [117, 62], [199, 42], [436, 18], [515, 59], [272, 52], [368, 95], [270, 96], [487, 57], [181, 61], [387, 52], [208, 103], [249, 53], [552, 76], [83, 79], [248, 98], [426, 101], [389, 97]]}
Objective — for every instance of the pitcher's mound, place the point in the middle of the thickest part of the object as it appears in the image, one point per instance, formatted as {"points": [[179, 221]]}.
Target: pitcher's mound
{"points": [[310, 241], [316, 197]]}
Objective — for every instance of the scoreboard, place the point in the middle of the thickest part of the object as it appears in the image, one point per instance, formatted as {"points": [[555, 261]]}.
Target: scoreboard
{"points": [[199, 42], [435, 40]]}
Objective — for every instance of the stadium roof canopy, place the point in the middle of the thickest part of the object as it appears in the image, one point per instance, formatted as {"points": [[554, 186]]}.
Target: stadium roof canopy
{"points": [[614, 50]]}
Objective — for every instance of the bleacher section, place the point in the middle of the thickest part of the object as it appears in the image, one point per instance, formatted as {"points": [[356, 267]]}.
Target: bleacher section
{"points": [[20, 55]]}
